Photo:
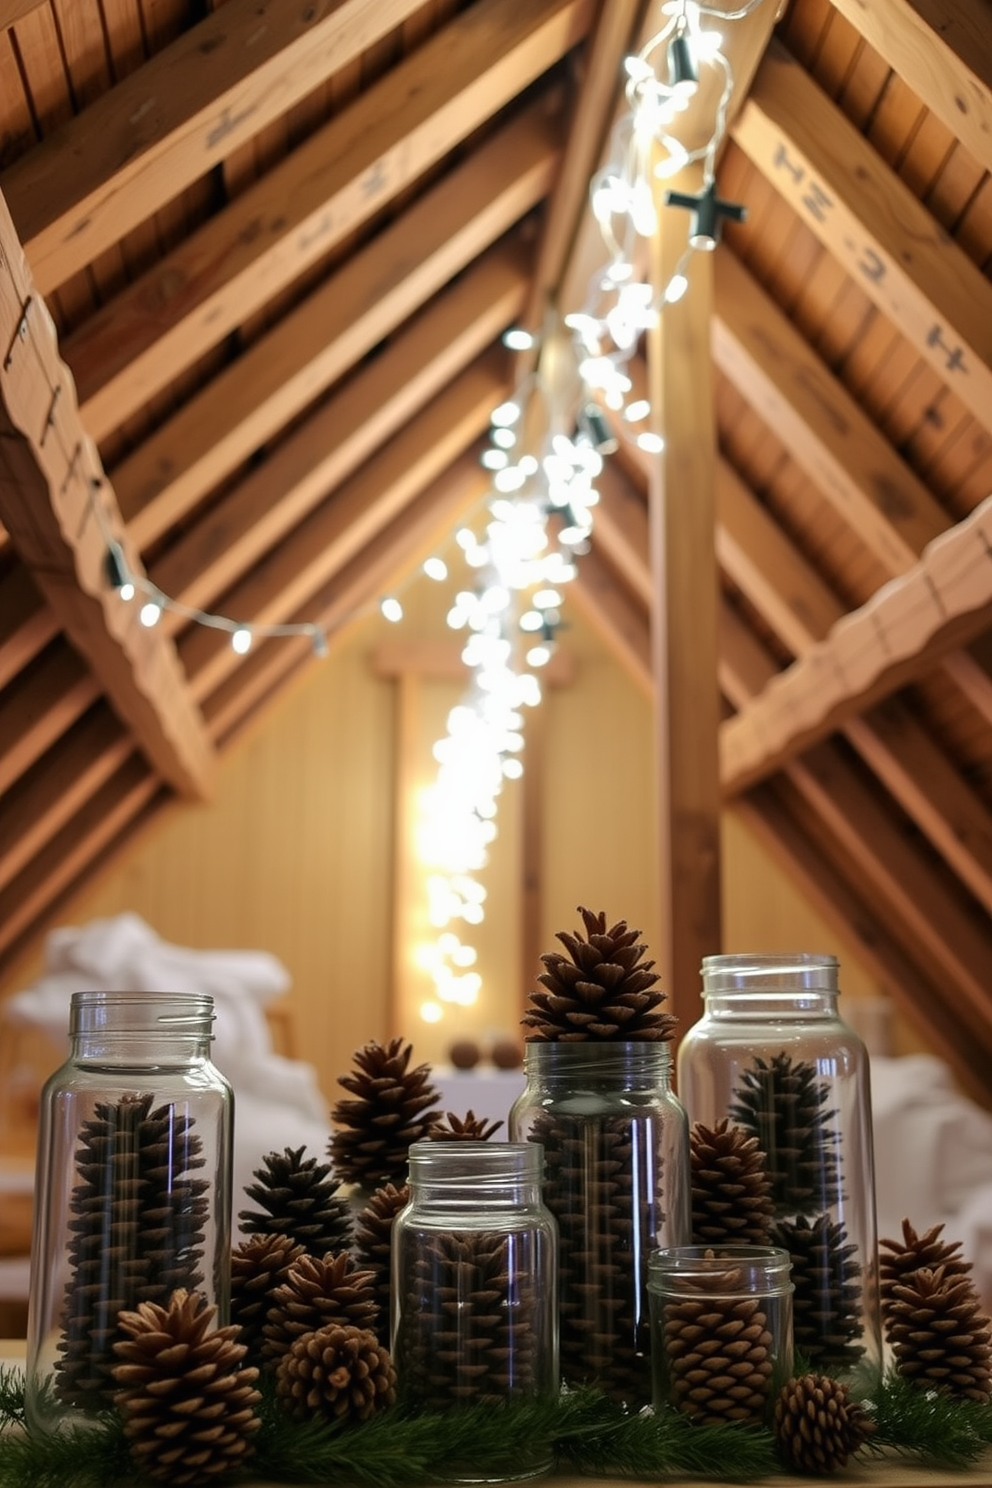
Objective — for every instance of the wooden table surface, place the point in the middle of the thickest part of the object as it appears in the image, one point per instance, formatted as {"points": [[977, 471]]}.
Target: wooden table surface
{"points": [[888, 1473]]}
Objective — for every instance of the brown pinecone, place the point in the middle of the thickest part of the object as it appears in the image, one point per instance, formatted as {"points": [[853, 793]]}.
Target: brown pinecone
{"points": [[826, 1303], [343, 1373], [718, 1353], [188, 1406], [465, 1335], [136, 1233], [391, 1109], [940, 1338], [258, 1266], [300, 1199], [318, 1290], [470, 1128], [782, 1103], [602, 990], [899, 1259], [817, 1424], [731, 1190], [374, 1246]]}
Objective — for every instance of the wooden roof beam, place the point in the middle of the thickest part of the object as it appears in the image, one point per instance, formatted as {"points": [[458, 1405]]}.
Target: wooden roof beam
{"points": [[872, 224], [622, 624], [779, 375], [943, 50], [896, 638], [190, 105], [48, 504], [346, 429], [325, 189], [336, 325], [356, 514]]}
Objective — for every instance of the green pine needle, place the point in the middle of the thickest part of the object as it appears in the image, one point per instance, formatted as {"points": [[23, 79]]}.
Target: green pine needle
{"points": [[939, 1429]]}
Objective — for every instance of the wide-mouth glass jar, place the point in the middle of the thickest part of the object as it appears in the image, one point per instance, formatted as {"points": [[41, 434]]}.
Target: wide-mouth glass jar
{"points": [[772, 1054], [133, 1189]]}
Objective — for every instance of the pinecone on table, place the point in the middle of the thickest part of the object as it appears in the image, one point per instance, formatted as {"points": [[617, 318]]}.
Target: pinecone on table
{"points": [[826, 1303], [940, 1337], [817, 1424], [602, 990], [188, 1405], [317, 1291], [467, 1128], [392, 1108], [467, 1335], [258, 1265], [898, 1259], [298, 1198], [342, 1373], [731, 1190], [717, 1353], [782, 1102], [374, 1246], [137, 1223]]}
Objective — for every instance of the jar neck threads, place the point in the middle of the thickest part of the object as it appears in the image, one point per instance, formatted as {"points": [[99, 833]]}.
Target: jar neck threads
{"points": [[140, 1025], [458, 1173]]}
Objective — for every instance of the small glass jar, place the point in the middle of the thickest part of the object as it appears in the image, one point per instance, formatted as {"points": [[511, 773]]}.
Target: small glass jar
{"points": [[772, 1054], [133, 1190], [721, 1330], [616, 1151], [473, 1286]]}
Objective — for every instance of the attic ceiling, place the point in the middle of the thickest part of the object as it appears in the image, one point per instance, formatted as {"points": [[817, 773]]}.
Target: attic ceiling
{"points": [[279, 243]]}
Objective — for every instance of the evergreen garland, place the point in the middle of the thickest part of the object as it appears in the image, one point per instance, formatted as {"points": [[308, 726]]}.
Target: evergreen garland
{"points": [[589, 1434]]}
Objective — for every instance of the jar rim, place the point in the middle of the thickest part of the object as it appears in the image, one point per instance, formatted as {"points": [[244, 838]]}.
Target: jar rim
{"points": [[120, 1011], [464, 1162], [785, 972], [767, 1265]]}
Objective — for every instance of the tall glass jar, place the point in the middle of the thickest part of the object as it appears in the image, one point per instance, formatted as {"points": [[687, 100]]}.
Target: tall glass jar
{"points": [[133, 1189], [772, 1054], [474, 1258], [616, 1150]]}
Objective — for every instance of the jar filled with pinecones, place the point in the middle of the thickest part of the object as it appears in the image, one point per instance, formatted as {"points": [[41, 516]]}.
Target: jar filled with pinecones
{"points": [[721, 1322], [771, 1059], [134, 1190], [616, 1146], [473, 1297]]}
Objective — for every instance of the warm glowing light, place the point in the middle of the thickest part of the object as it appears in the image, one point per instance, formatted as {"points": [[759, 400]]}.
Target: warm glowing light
{"points": [[150, 614], [391, 610], [518, 339], [436, 569], [241, 640], [431, 1012]]}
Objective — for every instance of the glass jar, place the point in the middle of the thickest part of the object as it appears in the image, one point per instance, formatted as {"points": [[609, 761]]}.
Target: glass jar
{"points": [[133, 1189], [474, 1257], [721, 1330], [616, 1152], [772, 1054]]}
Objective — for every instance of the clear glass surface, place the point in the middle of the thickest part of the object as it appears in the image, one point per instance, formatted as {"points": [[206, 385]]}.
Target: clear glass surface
{"points": [[133, 1190], [772, 1053], [615, 1141]]}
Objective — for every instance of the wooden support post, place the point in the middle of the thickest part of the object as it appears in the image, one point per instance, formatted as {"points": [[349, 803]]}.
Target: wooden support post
{"points": [[683, 555]]}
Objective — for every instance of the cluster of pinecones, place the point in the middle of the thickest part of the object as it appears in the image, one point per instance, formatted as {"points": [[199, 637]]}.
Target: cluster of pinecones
{"points": [[717, 1351]]}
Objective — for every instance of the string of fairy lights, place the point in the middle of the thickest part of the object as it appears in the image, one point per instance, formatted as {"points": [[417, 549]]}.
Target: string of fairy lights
{"points": [[546, 449]]}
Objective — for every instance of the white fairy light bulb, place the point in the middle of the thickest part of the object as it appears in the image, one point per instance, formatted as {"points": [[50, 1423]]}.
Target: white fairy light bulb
{"points": [[505, 414], [391, 610], [150, 613], [241, 640], [436, 569]]}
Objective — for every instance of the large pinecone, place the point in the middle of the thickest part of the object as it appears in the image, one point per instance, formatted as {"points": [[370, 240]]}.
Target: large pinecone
{"points": [[342, 1373], [940, 1338], [602, 990], [374, 1246], [782, 1103], [317, 1291], [593, 1171], [136, 1233], [188, 1405], [731, 1190], [826, 1303], [817, 1424], [258, 1266], [718, 1353], [392, 1108], [467, 1331], [899, 1259], [300, 1199]]}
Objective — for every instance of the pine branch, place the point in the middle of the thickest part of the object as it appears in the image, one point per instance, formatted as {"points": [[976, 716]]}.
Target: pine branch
{"points": [[938, 1429], [11, 1396], [78, 1457]]}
